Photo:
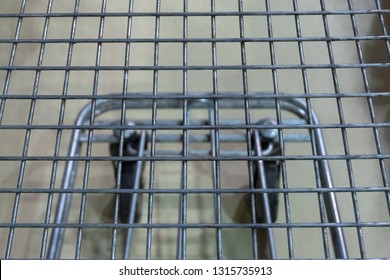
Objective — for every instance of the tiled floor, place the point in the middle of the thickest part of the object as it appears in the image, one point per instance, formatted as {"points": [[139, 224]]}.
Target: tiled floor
{"points": [[308, 243]]}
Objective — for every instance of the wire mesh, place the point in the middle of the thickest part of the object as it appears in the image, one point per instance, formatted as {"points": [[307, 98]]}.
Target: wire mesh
{"points": [[251, 129]]}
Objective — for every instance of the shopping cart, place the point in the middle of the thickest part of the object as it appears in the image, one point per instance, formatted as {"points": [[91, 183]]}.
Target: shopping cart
{"points": [[194, 129]]}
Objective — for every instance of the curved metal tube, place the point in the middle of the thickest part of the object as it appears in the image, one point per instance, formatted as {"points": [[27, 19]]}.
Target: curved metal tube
{"points": [[332, 211], [293, 105], [68, 181]]}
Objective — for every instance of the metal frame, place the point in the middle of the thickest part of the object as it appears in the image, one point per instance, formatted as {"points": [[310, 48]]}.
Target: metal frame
{"points": [[102, 106]]}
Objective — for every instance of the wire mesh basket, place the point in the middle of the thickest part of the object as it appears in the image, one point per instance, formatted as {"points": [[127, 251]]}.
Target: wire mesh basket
{"points": [[194, 129]]}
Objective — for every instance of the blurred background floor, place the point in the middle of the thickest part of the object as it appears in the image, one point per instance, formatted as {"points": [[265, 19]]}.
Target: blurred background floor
{"points": [[307, 243]]}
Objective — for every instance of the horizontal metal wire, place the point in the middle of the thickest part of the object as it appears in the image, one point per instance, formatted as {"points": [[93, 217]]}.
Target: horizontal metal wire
{"points": [[196, 14], [200, 190], [193, 96], [193, 40], [180, 158], [195, 67], [181, 127], [197, 225]]}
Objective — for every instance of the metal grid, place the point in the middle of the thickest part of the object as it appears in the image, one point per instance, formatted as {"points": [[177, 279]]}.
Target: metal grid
{"points": [[216, 94]]}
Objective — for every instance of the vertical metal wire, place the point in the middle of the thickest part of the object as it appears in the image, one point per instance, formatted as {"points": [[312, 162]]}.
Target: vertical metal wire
{"points": [[385, 32], [153, 137], [347, 152], [217, 199], [383, 27], [87, 166], [182, 232], [121, 145], [248, 131], [28, 131], [121, 133], [135, 197], [11, 60], [280, 131], [266, 212], [370, 105], [59, 133], [2, 107], [312, 137]]}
